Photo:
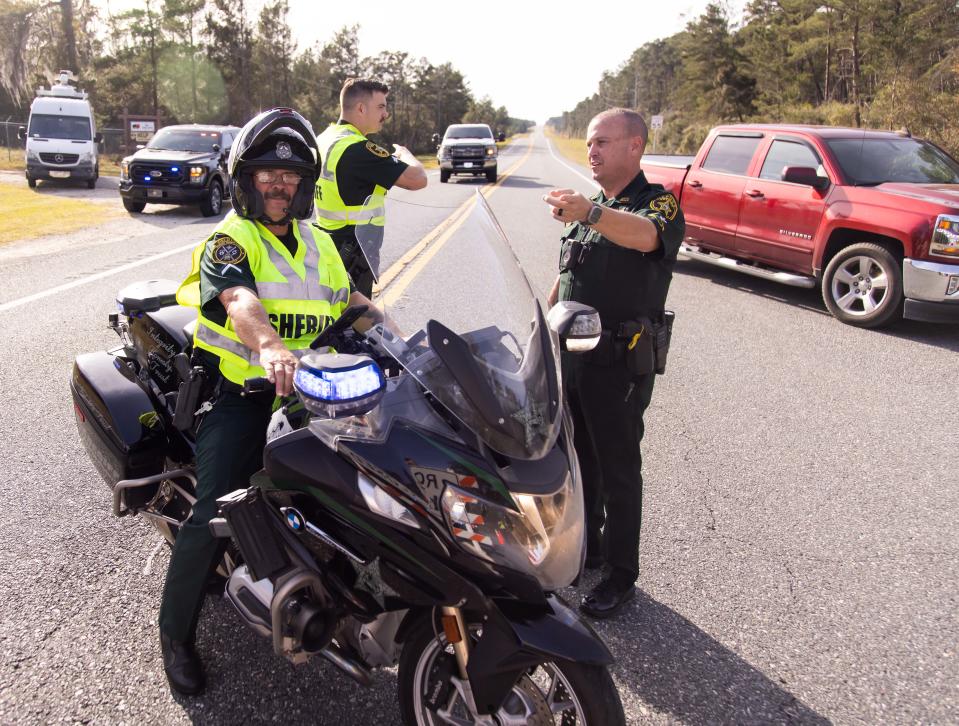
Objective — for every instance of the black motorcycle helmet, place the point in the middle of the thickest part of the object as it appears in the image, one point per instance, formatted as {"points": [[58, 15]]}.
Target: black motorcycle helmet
{"points": [[279, 139]]}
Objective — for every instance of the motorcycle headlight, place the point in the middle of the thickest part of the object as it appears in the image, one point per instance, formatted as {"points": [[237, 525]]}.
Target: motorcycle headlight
{"points": [[544, 538]]}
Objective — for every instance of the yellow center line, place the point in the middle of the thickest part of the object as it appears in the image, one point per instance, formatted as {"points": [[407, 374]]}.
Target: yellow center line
{"points": [[406, 270]]}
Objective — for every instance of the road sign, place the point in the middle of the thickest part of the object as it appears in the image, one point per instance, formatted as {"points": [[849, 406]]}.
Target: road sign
{"points": [[142, 130], [657, 122]]}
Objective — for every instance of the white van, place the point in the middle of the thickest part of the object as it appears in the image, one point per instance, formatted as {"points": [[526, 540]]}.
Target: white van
{"points": [[61, 135]]}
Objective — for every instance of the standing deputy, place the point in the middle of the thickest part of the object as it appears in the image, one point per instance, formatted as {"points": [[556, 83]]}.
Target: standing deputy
{"points": [[617, 256], [264, 283], [356, 173]]}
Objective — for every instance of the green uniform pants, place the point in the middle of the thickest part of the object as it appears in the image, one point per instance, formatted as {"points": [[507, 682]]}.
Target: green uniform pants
{"points": [[229, 449], [608, 428]]}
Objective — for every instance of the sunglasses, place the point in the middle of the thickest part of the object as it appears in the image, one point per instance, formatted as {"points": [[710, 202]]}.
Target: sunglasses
{"points": [[271, 177]]}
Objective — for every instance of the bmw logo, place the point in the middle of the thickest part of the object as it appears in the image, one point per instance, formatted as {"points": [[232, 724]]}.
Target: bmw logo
{"points": [[294, 519]]}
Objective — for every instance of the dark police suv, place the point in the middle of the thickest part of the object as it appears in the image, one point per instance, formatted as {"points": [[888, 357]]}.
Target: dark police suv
{"points": [[183, 164]]}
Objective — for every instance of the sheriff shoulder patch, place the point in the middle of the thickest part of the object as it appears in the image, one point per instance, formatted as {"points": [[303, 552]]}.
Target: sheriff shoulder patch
{"points": [[666, 204], [377, 150], [227, 251]]}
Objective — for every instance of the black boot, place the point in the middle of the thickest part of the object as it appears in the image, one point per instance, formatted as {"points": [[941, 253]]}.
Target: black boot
{"points": [[182, 666], [607, 598]]}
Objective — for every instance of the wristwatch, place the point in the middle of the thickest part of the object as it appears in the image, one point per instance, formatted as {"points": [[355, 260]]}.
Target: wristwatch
{"points": [[594, 214]]}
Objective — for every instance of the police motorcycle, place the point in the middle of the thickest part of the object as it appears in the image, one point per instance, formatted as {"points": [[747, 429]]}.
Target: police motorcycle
{"points": [[423, 512]]}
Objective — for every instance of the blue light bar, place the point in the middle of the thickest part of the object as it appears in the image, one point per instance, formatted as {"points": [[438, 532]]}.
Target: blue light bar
{"points": [[335, 386], [174, 168]]}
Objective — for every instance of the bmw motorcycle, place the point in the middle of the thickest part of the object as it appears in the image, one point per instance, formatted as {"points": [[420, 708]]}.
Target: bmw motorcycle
{"points": [[419, 502]]}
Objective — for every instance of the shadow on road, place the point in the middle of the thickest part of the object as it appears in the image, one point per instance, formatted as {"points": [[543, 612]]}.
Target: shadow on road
{"points": [[938, 335], [248, 683], [674, 667], [666, 662]]}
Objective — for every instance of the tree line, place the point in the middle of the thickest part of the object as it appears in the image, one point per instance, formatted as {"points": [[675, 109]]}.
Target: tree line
{"points": [[211, 61], [864, 63]]}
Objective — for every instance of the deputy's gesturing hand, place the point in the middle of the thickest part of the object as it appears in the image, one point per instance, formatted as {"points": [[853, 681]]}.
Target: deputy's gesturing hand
{"points": [[568, 205]]}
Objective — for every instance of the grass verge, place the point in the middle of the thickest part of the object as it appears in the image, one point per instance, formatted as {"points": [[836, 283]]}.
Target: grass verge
{"points": [[12, 160], [573, 149], [42, 214]]}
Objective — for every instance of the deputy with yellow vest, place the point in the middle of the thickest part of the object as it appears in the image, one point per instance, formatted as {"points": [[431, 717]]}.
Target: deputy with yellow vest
{"points": [[355, 173], [264, 284]]}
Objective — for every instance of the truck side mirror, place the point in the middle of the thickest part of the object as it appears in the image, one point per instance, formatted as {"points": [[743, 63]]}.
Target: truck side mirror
{"points": [[577, 325], [805, 175], [501, 137], [435, 139], [22, 133], [141, 146], [98, 138]]}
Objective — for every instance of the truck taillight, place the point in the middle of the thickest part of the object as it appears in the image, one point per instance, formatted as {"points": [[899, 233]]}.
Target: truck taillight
{"points": [[945, 237]]}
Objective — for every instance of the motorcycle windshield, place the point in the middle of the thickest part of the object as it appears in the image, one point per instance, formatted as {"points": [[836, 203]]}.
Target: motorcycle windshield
{"points": [[473, 330]]}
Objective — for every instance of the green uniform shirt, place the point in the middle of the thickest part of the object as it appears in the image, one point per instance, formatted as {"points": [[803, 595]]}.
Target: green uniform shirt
{"points": [[620, 283]]}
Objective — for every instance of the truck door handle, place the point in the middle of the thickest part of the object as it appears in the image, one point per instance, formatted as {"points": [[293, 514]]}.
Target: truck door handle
{"points": [[754, 193], [696, 184]]}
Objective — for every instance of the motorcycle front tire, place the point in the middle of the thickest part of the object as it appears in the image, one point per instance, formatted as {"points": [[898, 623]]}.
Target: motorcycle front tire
{"points": [[587, 691]]}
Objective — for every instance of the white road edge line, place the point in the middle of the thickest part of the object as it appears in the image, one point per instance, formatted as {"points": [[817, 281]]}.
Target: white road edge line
{"points": [[572, 169], [91, 278]]}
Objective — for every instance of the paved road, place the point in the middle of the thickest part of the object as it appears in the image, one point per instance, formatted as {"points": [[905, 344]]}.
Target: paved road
{"points": [[798, 548]]}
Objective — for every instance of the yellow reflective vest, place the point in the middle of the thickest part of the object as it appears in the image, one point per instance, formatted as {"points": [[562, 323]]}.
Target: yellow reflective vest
{"points": [[301, 294], [331, 211]]}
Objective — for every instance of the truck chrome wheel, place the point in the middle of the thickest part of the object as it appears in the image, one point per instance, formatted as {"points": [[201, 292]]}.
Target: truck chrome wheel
{"points": [[862, 286]]}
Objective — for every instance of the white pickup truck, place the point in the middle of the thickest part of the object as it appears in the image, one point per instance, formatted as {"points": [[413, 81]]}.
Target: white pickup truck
{"points": [[467, 149]]}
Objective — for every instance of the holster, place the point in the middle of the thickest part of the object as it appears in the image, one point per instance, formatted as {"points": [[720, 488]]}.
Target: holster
{"points": [[192, 386], [643, 344]]}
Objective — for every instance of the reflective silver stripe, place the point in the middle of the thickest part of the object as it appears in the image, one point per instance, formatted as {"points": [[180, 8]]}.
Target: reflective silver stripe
{"points": [[325, 172], [211, 337], [218, 340], [298, 352], [362, 215], [294, 288]]}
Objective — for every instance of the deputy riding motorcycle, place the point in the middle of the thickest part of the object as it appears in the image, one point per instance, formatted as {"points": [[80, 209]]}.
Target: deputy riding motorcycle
{"points": [[420, 500]]}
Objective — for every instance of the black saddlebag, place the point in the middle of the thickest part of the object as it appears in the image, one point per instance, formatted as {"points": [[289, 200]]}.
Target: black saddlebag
{"points": [[118, 425]]}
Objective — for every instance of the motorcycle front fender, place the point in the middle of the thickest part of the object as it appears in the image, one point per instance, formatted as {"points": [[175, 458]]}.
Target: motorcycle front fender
{"points": [[513, 642]]}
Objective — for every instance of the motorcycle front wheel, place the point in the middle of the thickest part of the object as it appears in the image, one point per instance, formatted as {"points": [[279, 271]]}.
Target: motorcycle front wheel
{"points": [[552, 692]]}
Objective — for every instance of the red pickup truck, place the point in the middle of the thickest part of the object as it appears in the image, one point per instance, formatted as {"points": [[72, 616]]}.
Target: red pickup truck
{"points": [[872, 217]]}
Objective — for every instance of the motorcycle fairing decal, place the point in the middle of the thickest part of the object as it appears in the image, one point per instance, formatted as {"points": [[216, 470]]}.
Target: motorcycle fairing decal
{"points": [[493, 481]]}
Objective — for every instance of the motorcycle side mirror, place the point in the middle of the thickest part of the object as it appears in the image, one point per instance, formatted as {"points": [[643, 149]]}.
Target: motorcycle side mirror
{"points": [[577, 326]]}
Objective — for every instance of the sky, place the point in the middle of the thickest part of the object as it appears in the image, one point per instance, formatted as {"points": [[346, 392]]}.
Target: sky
{"points": [[537, 59]]}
